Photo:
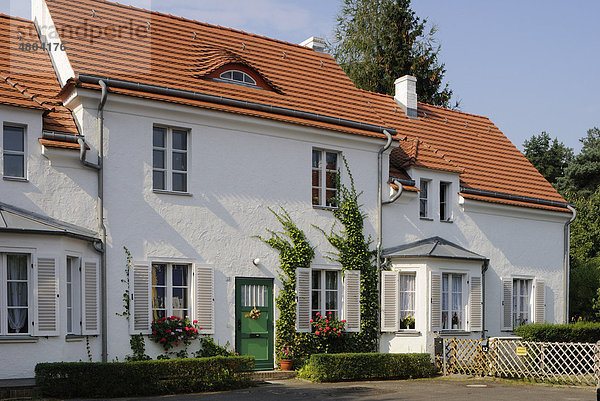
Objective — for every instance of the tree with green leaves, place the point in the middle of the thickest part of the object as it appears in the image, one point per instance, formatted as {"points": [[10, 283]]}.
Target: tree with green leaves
{"points": [[583, 173], [379, 41], [548, 156]]}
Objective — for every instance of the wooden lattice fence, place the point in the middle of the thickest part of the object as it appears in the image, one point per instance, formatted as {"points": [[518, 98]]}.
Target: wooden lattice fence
{"points": [[563, 363]]}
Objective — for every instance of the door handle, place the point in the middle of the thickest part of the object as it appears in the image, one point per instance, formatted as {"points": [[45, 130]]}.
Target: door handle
{"points": [[254, 335]]}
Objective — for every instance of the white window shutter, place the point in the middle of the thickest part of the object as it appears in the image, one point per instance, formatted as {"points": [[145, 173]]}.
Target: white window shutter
{"points": [[352, 300], [539, 313], [90, 296], [476, 305], [389, 301], [303, 312], [46, 300], [205, 299], [507, 304], [436, 302], [140, 306]]}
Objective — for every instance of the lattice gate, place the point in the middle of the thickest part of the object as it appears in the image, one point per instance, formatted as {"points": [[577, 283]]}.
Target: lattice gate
{"points": [[563, 363]]}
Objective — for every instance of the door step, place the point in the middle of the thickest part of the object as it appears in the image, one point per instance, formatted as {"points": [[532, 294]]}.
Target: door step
{"points": [[266, 375]]}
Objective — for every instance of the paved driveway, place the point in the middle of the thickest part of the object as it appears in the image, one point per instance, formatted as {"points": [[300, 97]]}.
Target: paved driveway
{"points": [[430, 389]]}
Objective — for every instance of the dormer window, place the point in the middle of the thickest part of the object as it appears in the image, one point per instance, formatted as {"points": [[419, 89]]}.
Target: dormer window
{"points": [[238, 77]]}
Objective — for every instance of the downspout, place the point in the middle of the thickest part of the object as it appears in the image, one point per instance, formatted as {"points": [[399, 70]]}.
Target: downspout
{"points": [[101, 246], [380, 203], [566, 262], [484, 269]]}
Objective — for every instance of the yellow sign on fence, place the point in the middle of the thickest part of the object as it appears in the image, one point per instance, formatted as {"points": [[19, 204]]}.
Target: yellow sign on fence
{"points": [[521, 351]]}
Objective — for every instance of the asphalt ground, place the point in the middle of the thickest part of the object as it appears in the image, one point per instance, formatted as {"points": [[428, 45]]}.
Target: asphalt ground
{"points": [[425, 389]]}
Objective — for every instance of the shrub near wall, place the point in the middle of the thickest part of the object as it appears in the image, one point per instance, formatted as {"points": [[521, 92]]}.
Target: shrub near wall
{"points": [[125, 379], [367, 366], [581, 332]]}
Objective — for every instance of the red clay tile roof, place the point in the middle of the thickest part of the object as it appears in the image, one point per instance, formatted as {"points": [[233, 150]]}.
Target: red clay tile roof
{"points": [[27, 78], [163, 50], [414, 153]]}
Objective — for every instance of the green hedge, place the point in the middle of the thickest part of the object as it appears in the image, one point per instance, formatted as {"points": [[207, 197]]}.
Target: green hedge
{"points": [[363, 366], [124, 379], [581, 332]]}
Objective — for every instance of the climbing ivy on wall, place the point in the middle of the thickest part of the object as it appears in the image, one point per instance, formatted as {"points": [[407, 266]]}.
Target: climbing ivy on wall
{"points": [[354, 253], [294, 251]]}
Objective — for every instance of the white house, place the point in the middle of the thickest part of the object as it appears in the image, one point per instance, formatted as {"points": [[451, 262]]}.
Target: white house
{"points": [[170, 137]]}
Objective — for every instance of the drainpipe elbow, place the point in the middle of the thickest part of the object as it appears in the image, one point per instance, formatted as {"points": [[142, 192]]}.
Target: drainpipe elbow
{"points": [[396, 195]]}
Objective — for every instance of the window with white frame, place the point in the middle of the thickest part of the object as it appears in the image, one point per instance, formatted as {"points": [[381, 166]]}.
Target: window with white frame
{"points": [[73, 283], [324, 177], [14, 293], [238, 77], [406, 301], [13, 145], [522, 295], [170, 290], [324, 292], [424, 198], [453, 306], [170, 159], [444, 201]]}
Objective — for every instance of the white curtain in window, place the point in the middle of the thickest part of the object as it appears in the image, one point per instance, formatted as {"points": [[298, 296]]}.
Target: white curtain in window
{"points": [[407, 295], [17, 292]]}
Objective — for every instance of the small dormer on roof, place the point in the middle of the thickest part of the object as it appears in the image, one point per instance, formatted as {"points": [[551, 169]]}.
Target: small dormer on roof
{"points": [[224, 65]]}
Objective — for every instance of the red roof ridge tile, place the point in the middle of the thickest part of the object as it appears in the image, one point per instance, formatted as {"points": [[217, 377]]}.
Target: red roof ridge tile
{"points": [[203, 23], [16, 86], [440, 154]]}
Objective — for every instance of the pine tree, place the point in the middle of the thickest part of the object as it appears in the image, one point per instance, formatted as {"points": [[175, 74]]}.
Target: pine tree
{"points": [[379, 41]]}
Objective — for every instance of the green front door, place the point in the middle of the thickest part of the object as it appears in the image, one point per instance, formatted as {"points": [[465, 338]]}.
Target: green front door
{"points": [[254, 320]]}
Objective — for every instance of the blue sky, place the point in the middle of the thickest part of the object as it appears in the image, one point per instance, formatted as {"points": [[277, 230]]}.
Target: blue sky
{"points": [[530, 66]]}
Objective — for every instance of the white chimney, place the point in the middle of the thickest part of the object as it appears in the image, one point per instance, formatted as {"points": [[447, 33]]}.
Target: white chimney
{"points": [[315, 43], [406, 95]]}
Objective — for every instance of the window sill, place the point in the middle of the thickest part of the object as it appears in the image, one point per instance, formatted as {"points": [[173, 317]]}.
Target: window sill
{"points": [[324, 207], [408, 333], [447, 221], [74, 338], [17, 339], [160, 191], [455, 333], [17, 179], [426, 218]]}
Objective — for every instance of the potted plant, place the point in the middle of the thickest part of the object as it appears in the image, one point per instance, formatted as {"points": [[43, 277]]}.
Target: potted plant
{"points": [[407, 322], [286, 358]]}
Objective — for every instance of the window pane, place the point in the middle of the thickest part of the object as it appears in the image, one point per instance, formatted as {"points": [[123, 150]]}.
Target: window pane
{"points": [[158, 297], [423, 208], [331, 161], [331, 280], [159, 137], [238, 76], [179, 161], [158, 179], [226, 75], [179, 275], [316, 158], [17, 294], [158, 274], [17, 267], [330, 197], [14, 165], [179, 182], [331, 179], [158, 159], [179, 298], [179, 139], [158, 314], [14, 138], [316, 196], [180, 313], [316, 279], [316, 301], [249, 80], [316, 178], [17, 320], [331, 300]]}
